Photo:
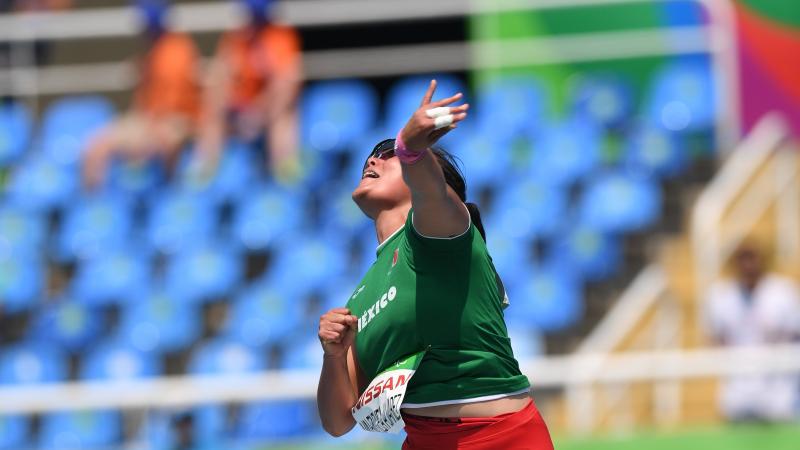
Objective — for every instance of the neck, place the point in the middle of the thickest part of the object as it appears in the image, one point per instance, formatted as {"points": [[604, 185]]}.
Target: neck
{"points": [[390, 220]]}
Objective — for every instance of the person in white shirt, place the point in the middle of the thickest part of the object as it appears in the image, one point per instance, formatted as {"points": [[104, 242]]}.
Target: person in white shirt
{"points": [[756, 308]]}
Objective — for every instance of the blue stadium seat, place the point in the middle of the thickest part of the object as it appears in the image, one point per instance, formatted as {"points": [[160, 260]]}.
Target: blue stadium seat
{"points": [[265, 214], [526, 342], [566, 152], [39, 184], [135, 179], [160, 322], [274, 420], [80, 430], [32, 363], [605, 99], [583, 250], [212, 424], [234, 174], [336, 113], [21, 231], [21, 280], [93, 225], [655, 151], [15, 132], [406, 94], [226, 356], [683, 96], [119, 361], [69, 324], [13, 432], [549, 300], [179, 219], [265, 313], [619, 203], [527, 208], [510, 256], [204, 272], [69, 124], [308, 259], [115, 276], [509, 106], [485, 160], [340, 213], [305, 353]]}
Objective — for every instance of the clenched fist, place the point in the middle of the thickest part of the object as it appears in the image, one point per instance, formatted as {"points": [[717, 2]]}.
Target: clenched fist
{"points": [[337, 330]]}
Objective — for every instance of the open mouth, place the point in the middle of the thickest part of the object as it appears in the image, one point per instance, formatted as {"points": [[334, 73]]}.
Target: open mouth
{"points": [[369, 174]]}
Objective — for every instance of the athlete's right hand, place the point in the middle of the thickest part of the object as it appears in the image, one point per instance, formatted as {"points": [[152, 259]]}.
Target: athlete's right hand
{"points": [[337, 330]]}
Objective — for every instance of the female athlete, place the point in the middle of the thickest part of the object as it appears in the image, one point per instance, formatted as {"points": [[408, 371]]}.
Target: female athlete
{"points": [[422, 343]]}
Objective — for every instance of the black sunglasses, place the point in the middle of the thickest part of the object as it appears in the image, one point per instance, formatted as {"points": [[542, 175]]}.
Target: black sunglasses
{"points": [[384, 150]]}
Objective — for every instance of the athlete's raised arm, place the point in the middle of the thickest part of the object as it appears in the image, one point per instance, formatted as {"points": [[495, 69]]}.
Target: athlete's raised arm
{"points": [[438, 212]]}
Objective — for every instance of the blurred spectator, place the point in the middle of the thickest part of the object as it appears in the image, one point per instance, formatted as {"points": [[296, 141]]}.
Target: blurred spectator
{"points": [[253, 87], [756, 308], [166, 101]]}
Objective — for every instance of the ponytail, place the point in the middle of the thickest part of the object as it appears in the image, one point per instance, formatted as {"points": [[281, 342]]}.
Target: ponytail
{"points": [[475, 216]]}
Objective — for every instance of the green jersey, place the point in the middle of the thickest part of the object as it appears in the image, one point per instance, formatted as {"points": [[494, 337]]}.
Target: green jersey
{"points": [[441, 295]]}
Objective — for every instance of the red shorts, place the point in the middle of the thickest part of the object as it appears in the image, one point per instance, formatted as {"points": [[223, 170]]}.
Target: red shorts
{"points": [[522, 430]]}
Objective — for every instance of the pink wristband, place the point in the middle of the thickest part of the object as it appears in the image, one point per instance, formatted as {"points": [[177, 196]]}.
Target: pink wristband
{"points": [[403, 154]]}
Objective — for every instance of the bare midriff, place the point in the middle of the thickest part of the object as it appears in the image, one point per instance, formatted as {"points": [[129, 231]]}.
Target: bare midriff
{"points": [[489, 408]]}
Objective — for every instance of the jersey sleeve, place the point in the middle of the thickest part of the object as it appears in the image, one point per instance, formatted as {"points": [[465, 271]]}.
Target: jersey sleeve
{"points": [[420, 243]]}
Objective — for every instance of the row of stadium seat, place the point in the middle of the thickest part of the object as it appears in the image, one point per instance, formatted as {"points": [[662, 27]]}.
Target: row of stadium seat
{"points": [[681, 98], [337, 114], [89, 430]]}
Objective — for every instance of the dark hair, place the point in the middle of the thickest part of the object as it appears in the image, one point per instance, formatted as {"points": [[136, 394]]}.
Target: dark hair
{"points": [[452, 176], [455, 179]]}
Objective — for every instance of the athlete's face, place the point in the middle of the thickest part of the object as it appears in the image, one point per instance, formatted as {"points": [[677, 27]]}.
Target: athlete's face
{"points": [[381, 186]]}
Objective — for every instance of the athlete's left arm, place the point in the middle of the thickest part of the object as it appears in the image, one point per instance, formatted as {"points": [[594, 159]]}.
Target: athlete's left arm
{"points": [[438, 212]]}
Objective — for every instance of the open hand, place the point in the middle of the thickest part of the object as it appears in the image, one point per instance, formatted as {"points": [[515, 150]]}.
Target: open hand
{"points": [[432, 120]]}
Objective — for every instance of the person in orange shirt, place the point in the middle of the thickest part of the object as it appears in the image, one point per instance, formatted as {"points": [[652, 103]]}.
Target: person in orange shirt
{"points": [[166, 103], [253, 86]]}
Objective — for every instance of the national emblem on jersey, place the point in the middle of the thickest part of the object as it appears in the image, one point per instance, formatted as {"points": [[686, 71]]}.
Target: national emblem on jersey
{"points": [[394, 258]]}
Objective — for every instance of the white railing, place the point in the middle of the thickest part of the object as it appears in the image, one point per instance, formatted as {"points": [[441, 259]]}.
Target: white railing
{"points": [[648, 291], [761, 173], [546, 372]]}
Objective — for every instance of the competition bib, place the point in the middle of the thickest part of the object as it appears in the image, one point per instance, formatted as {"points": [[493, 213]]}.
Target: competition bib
{"points": [[378, 409]]}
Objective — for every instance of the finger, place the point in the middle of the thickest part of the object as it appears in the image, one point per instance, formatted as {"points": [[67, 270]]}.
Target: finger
{"points": [[459, 109], [329, 337], [443, 121], [352, 320], [429, 94], [437, 112], [335, 318], [340, 310], [335, 327], [447, 101]]}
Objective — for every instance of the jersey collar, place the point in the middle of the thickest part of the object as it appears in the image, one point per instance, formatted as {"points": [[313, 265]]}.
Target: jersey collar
{"points": [[386, 241]]}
